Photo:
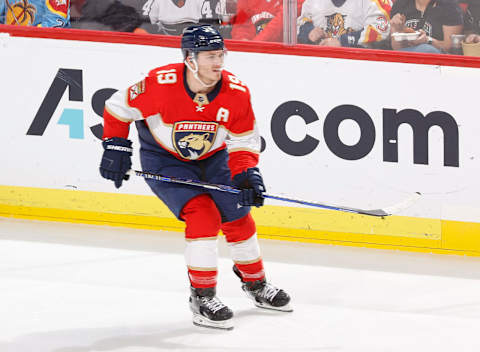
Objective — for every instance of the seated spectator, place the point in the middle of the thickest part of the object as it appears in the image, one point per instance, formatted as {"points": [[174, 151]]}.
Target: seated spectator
{"points": [[171, 17], [76, 10], [113, 15], [472, 22], [347, 23], [39, 13], [260, 20], [436, 20]]}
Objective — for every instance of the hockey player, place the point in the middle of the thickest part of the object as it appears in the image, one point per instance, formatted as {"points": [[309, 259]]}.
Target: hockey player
{"points": [[39, 13], [195, 121], [347, 23]]}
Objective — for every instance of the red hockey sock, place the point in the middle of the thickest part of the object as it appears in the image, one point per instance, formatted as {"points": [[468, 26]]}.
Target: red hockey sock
{"points": [[239, 230], [201, 217], [202, 279], [242, 239], [251, 271], [202, 221]]}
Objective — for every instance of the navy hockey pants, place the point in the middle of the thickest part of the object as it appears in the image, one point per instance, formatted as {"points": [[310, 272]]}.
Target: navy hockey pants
{"points": [[213, 169]]}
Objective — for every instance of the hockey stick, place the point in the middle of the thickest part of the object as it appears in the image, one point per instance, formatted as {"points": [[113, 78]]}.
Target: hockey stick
{"points": [[225, 188]]}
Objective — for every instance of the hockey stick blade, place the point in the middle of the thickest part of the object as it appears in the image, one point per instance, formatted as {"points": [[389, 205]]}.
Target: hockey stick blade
{"points": [[225, 188], [370, 212], [391, 210], [394, 209]]}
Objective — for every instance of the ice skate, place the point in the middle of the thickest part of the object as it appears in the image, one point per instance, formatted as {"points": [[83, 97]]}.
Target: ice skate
{"points": [[265, 295], [208, 310]]}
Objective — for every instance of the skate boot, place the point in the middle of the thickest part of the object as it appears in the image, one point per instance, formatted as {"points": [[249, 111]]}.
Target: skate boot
{"points": [[265, 295], [208, 310]]}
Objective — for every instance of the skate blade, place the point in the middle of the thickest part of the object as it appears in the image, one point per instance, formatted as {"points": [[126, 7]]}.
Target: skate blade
{"points": [[285, 308], [200, 320]]}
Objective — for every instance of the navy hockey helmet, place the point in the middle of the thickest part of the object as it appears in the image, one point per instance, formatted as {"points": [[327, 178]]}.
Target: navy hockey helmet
{"points": [[201, 38]]}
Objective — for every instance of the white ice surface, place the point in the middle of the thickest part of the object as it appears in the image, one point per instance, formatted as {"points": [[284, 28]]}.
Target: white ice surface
{"points": [[79, 288]]}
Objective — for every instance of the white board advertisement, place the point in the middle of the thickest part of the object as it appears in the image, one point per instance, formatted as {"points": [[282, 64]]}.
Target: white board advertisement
{"points": [[358, 133]]}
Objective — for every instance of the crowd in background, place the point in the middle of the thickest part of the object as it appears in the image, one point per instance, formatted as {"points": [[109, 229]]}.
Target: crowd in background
{"points": [[428, 26]]}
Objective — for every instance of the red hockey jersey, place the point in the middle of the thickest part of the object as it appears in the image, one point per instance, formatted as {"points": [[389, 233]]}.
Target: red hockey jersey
{"points": [[187, 127]]}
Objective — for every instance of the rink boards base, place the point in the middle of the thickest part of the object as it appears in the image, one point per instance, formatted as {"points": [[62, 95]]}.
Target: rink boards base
{"points": [[273, 222]]}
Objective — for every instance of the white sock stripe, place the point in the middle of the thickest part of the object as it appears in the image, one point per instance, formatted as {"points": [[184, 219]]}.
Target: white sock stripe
{"points": [[246, 262], [201, 254], [246, 250]]}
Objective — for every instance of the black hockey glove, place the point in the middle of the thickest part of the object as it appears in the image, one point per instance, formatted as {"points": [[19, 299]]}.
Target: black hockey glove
{"points": [[116, 159], [251, 183]]}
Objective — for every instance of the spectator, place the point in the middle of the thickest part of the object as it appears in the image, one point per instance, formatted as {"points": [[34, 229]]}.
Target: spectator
{"points": [[76, 10], [347, 23], [225, 11], [472, 22], [38, 13], [260, 20], [114, 15], [436, 20], [171, 17]]}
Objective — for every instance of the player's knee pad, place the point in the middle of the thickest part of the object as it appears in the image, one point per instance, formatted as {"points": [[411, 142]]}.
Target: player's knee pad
{"points": [[239, 230], [202, 217]]}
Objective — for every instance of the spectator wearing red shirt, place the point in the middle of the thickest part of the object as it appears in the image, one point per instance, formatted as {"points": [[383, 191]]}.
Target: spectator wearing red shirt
{"points": [[260, 20]]}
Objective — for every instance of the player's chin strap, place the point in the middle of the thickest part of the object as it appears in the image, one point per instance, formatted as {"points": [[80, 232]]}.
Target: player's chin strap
{"points": [[194, 70]]}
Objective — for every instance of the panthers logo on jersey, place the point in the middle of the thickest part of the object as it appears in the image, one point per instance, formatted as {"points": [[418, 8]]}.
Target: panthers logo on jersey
{"points": [[336, 25], [192, 140]]}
